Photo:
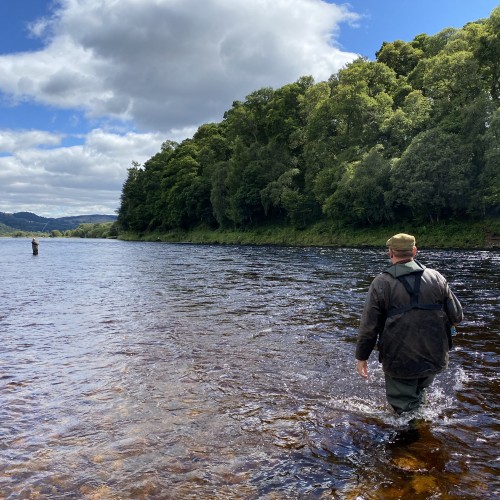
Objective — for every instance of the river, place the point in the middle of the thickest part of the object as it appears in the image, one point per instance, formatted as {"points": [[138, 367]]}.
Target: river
{"points": [[153, 370]]}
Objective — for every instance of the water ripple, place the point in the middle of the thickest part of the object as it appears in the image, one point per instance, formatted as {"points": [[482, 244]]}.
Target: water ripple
{"points": [[134, 370]]}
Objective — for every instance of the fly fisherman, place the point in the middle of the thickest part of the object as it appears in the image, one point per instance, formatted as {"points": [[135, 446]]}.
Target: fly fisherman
{"points": [[408, 313], [34, 246]]}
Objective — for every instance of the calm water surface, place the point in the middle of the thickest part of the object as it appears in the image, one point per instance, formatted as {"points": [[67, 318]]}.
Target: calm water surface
{"points": [[150, 371]]}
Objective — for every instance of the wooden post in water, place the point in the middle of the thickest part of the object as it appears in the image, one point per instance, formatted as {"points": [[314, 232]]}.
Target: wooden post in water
{"points": [[34, 246]]}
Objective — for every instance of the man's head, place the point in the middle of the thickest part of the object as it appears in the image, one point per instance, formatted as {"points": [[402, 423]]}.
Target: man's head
{"points": [[401, 247]]}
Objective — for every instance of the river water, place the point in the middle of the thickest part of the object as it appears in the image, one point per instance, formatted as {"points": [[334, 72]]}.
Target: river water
{"points": [[152, 370]]}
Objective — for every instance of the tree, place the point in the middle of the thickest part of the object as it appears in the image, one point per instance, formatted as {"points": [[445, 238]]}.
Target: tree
{"points": [[488, 54], [400, 56], [452, 78], [301, 208], [432, 45], [362, 100], [405, 122], [272, 194], [319, 133], [283, 111], [246, 120], [431, 179], [413, 134], [360, 194], [212, 146], [284, 195], [219, 194], [185, 194], [490, 178], [132, 200]]}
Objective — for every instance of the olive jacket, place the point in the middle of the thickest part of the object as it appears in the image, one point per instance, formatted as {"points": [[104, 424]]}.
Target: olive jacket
{"points": [[412, 331]]}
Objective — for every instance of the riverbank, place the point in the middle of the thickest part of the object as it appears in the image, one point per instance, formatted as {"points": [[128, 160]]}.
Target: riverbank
{"points": [[483, 234]]}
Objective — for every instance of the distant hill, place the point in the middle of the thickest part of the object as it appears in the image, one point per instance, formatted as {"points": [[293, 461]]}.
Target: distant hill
{"points": [[27, 221]]}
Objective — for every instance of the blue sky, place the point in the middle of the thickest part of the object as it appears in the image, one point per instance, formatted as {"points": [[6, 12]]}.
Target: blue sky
{"points": [[88, 86]]}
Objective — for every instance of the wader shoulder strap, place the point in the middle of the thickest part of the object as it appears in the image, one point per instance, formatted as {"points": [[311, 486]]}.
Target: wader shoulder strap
{"points": [[414, 293]]}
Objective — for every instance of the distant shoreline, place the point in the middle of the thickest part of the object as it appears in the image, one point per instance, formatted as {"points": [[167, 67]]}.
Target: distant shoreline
{"points": [[477, 235]]}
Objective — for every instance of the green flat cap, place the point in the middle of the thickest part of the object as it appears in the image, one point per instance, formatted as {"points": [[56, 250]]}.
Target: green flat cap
{"points": [[401, 241]]}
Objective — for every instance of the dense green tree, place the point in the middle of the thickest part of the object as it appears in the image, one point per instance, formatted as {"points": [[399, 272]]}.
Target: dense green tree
{"points": [[286, 197], [411, 135], [452, 78], [283, 113], [319, 132], [219, 194], [490, 178], [132, 200], [245, 179], [212, 145], [301, 208], [362, 100], [360, 194], [400, 56], [272, 194], [488, 54], [246, 120], [151, 176], [404, 123], [431, 180], [185, 194], [431, 45]]}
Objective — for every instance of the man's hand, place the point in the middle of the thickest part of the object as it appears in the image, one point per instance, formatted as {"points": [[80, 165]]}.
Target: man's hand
{"points": [[362, 367]]}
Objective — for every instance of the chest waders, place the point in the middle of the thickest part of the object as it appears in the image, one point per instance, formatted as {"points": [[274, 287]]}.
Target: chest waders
{"points": [[414, 292], [408, 394]]}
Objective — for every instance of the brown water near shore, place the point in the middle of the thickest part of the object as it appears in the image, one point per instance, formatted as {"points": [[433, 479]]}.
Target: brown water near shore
{"points": [[143, 370]]}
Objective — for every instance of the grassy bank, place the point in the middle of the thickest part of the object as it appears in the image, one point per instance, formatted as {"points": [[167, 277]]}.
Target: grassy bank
{"points": [[461, 235]]}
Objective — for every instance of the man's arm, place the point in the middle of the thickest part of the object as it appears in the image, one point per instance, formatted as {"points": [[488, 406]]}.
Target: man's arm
{"points": [[453, 308], [372, 323]]}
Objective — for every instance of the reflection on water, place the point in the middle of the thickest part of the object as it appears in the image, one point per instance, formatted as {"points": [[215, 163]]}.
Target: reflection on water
{"points": [[141, 370]]}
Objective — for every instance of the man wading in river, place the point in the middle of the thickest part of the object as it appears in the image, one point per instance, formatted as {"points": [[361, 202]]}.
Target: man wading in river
{"points": [[408, 313]]}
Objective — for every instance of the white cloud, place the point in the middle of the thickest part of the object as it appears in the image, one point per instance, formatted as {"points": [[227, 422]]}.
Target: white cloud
{"points": [[85, 179], [168, 63], [162, 67], [11, 141]]}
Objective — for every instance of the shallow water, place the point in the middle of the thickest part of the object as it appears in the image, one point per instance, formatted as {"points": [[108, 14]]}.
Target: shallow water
{"points": [[144, 370]]}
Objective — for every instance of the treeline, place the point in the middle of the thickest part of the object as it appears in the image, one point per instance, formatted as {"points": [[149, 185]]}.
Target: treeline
{"points": [[86, 230], [414, 136], [93, 230]]}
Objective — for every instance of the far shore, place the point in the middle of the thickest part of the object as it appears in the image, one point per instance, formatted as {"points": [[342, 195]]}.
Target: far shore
{"points": [[468, 235]]}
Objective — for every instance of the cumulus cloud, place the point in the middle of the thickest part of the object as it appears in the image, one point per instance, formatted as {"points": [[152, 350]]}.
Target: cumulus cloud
{"points": [[12, 142], [85, 178], [161, 67], [167, 64]]}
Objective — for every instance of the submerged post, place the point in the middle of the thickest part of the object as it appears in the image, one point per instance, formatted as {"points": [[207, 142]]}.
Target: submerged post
{"points": [[34, 246]]}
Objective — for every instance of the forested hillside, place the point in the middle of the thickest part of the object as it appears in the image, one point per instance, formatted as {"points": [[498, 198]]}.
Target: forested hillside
{"points": [[30, 222], [414, 135]]}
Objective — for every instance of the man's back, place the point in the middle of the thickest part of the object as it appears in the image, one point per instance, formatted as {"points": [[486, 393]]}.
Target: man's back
{"points": [[413, 340], [408, 313]]}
